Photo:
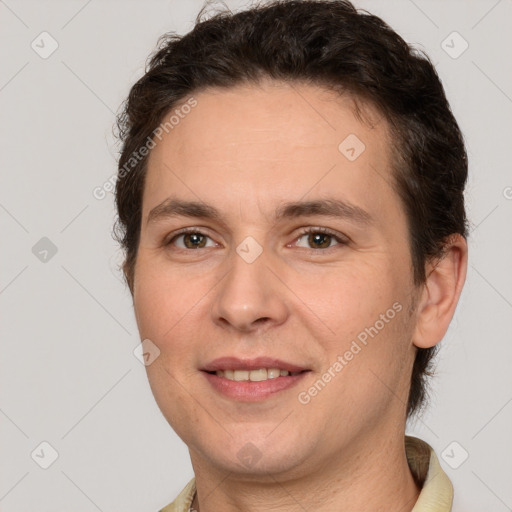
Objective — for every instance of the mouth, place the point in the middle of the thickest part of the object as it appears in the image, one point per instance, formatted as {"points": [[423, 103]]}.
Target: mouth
{"points": [[250, 380], [259, 375]]}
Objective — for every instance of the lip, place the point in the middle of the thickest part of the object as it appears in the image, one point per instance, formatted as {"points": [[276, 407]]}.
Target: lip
{"points": [[234, 363], [248, 391]]}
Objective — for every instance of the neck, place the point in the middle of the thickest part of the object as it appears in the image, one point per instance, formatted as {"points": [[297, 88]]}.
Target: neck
{"points": [[373, 476]]}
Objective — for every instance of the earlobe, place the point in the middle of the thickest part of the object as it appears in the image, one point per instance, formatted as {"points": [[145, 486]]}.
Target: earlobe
{"points": [[441, 292]]}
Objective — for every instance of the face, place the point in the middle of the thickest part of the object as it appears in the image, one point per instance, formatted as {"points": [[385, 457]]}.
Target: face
{"points": [[274, 276]]}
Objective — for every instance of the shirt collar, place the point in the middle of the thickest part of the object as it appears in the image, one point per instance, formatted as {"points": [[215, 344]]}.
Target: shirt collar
{"points": [[436, 488]]}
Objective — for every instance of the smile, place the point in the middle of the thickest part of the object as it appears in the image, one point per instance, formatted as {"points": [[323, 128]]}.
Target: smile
{"points": [[252, 380], [254, 375]]}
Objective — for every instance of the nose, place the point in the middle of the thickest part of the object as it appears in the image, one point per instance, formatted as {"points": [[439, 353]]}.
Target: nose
{"points": [[250, 297]]}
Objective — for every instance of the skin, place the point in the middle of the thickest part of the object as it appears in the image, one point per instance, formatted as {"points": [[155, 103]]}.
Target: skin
{"points": [[246, 151]]}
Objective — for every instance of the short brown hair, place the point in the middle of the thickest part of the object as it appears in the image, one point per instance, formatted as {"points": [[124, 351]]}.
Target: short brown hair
{"points": [[321, 42]]}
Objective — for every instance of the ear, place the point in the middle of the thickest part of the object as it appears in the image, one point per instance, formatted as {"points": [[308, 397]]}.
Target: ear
{"points": [[128, 276], [441, 292]]}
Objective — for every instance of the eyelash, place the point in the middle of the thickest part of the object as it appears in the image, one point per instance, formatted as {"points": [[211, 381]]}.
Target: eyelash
{"points": [[341, 239]]}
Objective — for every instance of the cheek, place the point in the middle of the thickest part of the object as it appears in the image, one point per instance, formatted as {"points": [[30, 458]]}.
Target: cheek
{"points": [[350, 298], [366, 371], [366, 311], [163, 298], [171, 309], [164, 309]]}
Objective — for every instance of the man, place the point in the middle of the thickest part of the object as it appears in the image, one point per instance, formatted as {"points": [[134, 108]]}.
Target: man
{"points": [[290, 199]]}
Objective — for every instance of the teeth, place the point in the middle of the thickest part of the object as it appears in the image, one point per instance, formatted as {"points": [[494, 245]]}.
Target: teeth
{"points": [[241, 375], [254, 375], [258, 375], [273, 373]]}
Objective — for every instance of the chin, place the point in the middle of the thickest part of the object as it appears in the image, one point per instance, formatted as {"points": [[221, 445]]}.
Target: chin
{"points": [[253, 455]]}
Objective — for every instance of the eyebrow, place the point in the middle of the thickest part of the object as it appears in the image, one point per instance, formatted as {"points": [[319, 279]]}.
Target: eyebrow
{"points": [[337, 208]]}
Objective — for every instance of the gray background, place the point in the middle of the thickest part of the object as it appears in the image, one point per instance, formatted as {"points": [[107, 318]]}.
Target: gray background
{"points": [[68, 375]]}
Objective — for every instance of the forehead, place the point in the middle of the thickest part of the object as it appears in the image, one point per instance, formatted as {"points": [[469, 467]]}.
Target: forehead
{"points": [[271, 141]]}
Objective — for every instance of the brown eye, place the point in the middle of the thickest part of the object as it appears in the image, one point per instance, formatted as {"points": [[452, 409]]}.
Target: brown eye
{"points": [[191, 240], [318, 239], [194, 240]]}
